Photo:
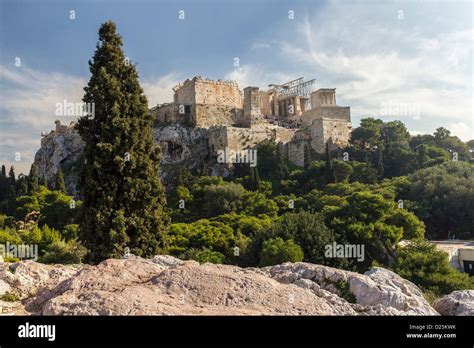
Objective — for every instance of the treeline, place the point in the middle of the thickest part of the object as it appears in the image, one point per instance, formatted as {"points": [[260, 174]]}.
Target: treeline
{"points": [[384, 188], [33, 214]]}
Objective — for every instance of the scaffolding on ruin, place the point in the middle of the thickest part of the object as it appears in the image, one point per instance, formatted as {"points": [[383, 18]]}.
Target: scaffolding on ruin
{"points": [[296, 87]]}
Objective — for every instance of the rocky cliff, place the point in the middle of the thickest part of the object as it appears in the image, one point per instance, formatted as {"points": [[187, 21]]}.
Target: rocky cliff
{"points": [[168, 286], [61, 149]]}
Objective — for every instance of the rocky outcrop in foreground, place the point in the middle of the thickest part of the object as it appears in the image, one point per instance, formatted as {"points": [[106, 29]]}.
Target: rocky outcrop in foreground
{"points": [[167, 286], [456, 303]]}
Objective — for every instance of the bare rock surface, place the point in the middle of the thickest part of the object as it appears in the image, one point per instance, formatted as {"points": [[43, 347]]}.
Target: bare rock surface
{"points": [[456, 303], [25, 278], [165, 285], [377, 292]]}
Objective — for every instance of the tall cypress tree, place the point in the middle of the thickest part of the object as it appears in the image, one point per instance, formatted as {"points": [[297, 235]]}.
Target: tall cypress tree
{"points": [[380, 166], [123, 198], [3, 184], [281, 170], [11, 176], [11, 201], [306, 156], [59, 184], [257, 181], [33, 179], [328, 169]]}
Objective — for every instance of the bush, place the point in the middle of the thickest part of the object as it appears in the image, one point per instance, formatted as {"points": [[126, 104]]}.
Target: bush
{"points": [[62, 252], [276, 250], [307, 230], [427, 267], [204, 256]]}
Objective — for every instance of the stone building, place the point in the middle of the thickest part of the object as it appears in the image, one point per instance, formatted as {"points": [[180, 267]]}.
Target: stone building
{"points": [[208, 116], [292, 114], [203, 103]]}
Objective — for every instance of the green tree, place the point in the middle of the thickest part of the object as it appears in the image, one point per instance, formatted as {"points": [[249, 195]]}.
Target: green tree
{"points": [[11, 176], [308, 230], [276, 250], [3, 184], [120, 182], [328, 168], [281, 169], [443, 197], [427, 267], [11, 201], [33, 179], [307, 156], [59, 184]]}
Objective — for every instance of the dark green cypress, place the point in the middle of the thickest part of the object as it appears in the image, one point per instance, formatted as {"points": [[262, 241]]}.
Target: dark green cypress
{"points": [[281, 170], [123, 198], [257, 180], [33, 179], [380, 166], [11, 201], [59, 184], [3, 184], [11, 176], [328, 169], [306, 156]]}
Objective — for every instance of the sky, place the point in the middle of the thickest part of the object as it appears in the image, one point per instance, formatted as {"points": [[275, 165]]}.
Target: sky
{"points": [[395, 60]]}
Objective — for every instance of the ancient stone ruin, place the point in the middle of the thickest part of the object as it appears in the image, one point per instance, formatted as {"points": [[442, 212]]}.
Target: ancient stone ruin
{"points": [[209, 116], [291, 114]]}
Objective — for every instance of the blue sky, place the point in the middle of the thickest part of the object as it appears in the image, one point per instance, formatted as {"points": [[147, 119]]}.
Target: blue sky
{"points": [[399, 53]]}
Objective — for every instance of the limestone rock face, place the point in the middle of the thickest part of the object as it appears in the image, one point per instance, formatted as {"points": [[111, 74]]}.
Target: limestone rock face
{"points": [[25, 278], [165, 285], [456, 303], [60, 150], [379, 291], [148, 287], [181, 144]]}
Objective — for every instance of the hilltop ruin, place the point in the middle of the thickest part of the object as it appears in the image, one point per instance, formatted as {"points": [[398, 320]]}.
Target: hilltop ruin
{"points": [[208, 116]]}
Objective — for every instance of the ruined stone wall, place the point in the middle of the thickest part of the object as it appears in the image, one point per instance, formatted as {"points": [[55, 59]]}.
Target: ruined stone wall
{"points": [[185, 93], [265, 103], [218, 92], [217, 139], [213, 115], [210, 102], [331, 112], [336, 131], [168, 113], [252, 113], [236, 138]]}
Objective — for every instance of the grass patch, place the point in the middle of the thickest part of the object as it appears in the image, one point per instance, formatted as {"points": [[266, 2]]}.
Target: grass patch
{"points": [[9, 297]]}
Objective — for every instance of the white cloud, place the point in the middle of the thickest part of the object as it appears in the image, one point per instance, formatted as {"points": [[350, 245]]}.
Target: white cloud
{"points": [[461, 130], [256, 75], [372, 58], [159, 90]]}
